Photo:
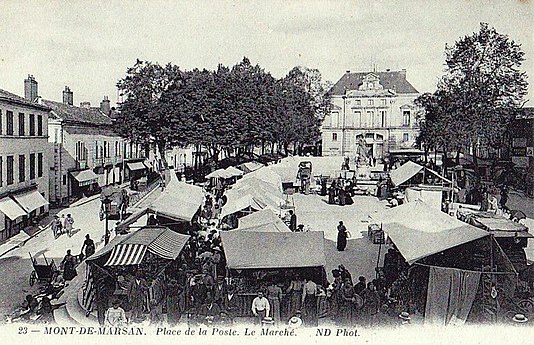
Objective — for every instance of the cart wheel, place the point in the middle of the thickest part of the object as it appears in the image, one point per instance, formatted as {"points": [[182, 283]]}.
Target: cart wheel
{"points": [[33, 278], [526, 305]]}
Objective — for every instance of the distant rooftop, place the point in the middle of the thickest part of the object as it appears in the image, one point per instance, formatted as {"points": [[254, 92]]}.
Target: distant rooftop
{"points": [[11, 97], [71, 113], [393, 80]]}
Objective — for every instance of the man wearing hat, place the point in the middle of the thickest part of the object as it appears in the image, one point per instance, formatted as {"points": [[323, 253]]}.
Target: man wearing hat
{"points": [[260, 307], [296, 320], [519, 318], [405, 318], [219, 291], [231, 302]]}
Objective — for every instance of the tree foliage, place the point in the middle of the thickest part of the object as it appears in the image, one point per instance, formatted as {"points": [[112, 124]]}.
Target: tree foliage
{"points": [[481, 91], [229, 109]]}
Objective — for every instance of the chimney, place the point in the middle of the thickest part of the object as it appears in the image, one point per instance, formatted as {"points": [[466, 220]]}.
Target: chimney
{"points": [[105, 106], [403, 72], [85, 105], [67, 96], [30, 88]]}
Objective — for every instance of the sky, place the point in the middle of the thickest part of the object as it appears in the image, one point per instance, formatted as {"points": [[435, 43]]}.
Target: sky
{"points": [[88, 45]]}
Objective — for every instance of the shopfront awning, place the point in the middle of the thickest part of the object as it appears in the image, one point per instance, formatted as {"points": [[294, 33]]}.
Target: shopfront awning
{"points": [[136, 166], [10, 208], [85, 177], [31, 200]]}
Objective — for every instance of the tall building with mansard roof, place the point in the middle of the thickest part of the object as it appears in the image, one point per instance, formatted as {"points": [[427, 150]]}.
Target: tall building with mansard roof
{"points": [[374, 106]]}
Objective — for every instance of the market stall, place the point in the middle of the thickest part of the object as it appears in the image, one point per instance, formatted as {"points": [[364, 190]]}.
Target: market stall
{"points": [[142, 255], [254, 259], [445, 268]]}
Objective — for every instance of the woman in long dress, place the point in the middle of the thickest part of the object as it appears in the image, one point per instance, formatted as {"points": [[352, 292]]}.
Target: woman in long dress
{"points": [[295, 289], [274, 295], [341, 237], [347, 307]]}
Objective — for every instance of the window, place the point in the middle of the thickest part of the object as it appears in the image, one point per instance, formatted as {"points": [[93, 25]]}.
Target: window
{"points": [[358, 102], [10, 170], [383, 118], [405, 137], [40, 125], [1, 172], [32, 166], [96, 149], [406, 118], [22, 168], [371, 102], [106, 149], [39, 165], [9, 122], [1, 129], [64, 180], [56, 135], [384, 102], [334, 136], [21, 124], [117, 146], [368, 120], [124, 150], [32, 125], [358, 118]]}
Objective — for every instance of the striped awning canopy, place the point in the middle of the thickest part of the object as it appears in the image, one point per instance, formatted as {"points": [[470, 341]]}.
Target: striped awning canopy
{"points": [[132, 248], [126, 254]]}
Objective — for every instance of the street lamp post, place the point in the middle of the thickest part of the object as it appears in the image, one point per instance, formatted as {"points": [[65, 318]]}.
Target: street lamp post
{"points": [[106, 202]]}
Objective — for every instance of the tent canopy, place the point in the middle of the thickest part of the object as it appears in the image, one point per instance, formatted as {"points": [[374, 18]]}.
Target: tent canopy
{"points": [[265, 174], [264, 221], [250, 167], [131, 249], [256, 250], [233, 171], [419, 230], [219, 173], [179, 200], [269, 227], [241, 204], [405, 172]]}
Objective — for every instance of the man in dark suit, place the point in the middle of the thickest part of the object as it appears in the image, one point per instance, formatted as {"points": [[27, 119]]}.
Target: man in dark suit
{"points": [[231, 302]]}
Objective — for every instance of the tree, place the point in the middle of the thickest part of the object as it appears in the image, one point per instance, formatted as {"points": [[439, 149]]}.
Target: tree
{"points": [[480, 93], [484, 78], [310, 80], [143, 117]]}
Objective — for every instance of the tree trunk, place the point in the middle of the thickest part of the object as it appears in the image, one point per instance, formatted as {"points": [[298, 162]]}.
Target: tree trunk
{"points": [[444, 162]]}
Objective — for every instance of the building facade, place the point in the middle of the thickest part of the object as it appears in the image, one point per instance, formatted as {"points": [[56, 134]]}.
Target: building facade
{"points": [[24, 157], [376, 107], [87, 153], [521, 150]]}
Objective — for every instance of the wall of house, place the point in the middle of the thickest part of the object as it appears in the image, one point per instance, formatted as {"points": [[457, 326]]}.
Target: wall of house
{"points": [[15, 145]]}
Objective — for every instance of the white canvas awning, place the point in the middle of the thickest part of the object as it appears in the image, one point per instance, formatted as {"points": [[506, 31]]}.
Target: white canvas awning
{"points": [[419, 230], [85, 177], [11, 209], [404, 172], [31, 200]]}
